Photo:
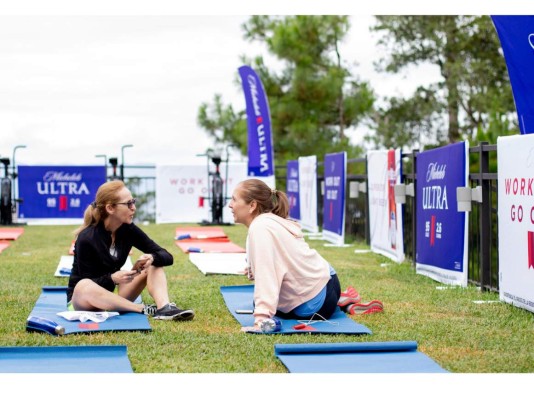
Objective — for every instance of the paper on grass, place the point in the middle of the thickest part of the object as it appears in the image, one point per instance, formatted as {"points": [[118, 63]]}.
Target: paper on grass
{"points": [[219, 263], [64, 267]]}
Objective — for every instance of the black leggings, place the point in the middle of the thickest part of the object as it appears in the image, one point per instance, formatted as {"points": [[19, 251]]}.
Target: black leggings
{"points": [[333, 291]]}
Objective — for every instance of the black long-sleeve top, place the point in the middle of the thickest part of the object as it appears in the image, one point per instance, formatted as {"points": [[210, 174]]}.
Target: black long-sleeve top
{"points": [[92, 258]]}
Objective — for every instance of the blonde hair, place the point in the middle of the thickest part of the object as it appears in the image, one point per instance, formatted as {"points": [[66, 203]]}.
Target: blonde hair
{"points": [[268, 200], [106, 194]]}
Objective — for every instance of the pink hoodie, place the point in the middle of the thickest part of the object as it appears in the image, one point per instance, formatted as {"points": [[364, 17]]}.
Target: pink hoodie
{"points": [[286, 270]]}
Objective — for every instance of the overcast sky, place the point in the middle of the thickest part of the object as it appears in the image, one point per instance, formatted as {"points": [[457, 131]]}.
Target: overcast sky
{"points": [[75, 86]]}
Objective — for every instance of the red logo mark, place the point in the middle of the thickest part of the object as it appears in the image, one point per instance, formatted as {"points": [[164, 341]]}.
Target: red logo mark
{"points": [[530, 250], [90, 326], [432, 230], [62, 203]]}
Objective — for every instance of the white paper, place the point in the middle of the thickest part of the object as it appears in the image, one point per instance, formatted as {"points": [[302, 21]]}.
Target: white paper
{"points": [[84, 316]]}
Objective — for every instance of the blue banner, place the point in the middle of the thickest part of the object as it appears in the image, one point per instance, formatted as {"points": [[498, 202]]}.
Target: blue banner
{"points": [[292, 189], [335, 166], [260, 144], [58, 191], [441, 244], [516, 33]]}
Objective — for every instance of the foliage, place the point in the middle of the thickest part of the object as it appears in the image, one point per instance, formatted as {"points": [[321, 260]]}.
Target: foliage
{"points": [[475, 82], [498, 125], [408, 123], [222, 123], [312, 100], [144, 199]]}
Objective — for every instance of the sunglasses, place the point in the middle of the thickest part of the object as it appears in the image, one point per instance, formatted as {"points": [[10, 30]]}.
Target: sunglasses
{"points": [[130, 203]]}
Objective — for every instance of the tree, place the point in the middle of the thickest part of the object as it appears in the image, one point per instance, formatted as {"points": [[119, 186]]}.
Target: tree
{"points": [[408, 123], [467, 51], [222, 123], [313, 99], [145, 199]]}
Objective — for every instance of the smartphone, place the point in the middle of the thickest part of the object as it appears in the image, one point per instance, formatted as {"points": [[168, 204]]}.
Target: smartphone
{"points": [[244, 311], [138, 266]]}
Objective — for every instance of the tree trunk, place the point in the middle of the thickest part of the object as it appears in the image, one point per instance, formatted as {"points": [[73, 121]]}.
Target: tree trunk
{"points": [[451, 82]]}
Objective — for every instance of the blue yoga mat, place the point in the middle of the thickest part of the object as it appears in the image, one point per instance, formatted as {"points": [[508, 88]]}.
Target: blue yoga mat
{"points": [[241, 297], [65, 359], [374, 357], [53, 299]]}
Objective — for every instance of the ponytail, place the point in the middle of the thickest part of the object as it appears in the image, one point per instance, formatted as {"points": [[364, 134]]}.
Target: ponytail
{"points": [[280, 203], [96, 211], [268, 200]]}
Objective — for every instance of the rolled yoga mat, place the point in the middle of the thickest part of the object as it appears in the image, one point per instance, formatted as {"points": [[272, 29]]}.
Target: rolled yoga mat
{"points": [[373, 357], [65, 359]]}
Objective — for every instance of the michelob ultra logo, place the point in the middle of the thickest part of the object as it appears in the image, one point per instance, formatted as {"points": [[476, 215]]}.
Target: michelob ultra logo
{"points": [[435, 171], [60, 182], [58, 191]]}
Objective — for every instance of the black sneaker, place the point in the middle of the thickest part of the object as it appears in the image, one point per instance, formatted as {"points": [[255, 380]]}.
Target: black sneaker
{"points": [[150, 309], [171, 312]]}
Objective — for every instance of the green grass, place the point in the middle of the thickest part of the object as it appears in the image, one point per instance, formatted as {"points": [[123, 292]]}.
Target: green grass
{"points": [[460, 335]]}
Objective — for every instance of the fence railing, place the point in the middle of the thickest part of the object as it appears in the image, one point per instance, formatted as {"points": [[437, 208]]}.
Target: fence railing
{"points": [[483, 267], [483, 221]]}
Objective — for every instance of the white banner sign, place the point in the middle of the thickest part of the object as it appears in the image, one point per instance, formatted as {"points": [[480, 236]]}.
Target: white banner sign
{"points": [[515, 158], [182, 192], [308, 193], [385, 215]]}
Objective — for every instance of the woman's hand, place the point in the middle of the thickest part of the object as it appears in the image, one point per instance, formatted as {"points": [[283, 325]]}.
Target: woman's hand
{"points": [[248, 272], [144, 261], [255, 328], [123, 276]]}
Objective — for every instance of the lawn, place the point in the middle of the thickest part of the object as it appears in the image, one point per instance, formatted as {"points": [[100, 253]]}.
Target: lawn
{"points": [[460, 335]]}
